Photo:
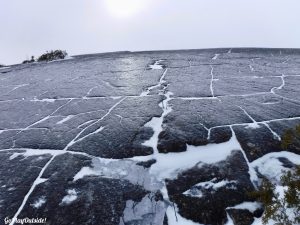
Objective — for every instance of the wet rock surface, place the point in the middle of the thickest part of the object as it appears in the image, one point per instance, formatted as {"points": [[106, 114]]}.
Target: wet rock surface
{"points": [[145, 138]]}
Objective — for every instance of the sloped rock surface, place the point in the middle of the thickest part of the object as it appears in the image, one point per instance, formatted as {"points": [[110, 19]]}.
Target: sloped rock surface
{"points": [[145, 138]]}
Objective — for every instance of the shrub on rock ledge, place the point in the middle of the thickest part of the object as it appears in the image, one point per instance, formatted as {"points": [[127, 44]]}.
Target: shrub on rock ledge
{"points": [[291, 138], [285, 209], [29, 61], [52, 55], [281, 200]]}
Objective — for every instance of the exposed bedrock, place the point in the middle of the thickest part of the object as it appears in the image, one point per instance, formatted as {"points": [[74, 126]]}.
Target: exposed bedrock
{"points": [[161, 138], [203, 193]]}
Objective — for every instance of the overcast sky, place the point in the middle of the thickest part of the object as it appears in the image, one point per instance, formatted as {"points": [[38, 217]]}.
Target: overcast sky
{"points": [[90, 26]]}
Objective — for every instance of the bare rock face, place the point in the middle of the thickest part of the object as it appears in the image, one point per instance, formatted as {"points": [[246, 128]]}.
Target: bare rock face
{"points": [[244, 217], [158, 138]]}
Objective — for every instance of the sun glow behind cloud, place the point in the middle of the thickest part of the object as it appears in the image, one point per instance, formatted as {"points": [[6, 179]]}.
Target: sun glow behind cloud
{"points": [[125, 8]]}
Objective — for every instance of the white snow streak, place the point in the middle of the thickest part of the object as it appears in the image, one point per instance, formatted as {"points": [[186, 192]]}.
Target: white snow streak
{"points": [[250, 206], [38, 181], [77, 139], [65, 119], [195, 191], [215, 57], [160, 83], [253, 125], [211, 81], [276, 136]]}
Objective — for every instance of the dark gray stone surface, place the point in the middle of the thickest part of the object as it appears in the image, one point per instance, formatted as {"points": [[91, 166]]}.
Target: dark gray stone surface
{"points": [[98, 200], [17, 175], [60, 116], [213, 201]]}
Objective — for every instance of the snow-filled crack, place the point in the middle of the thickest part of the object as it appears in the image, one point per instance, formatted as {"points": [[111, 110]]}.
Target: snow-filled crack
{"points": [[48, 116], [252, 172], [22, 129], [71, 116], [165, 166], [212, 81], [260, 122], [159, 84], [254, 123], [77, 138], [207, 129], [89, 91], [156, 122], [281, 86], [16, 87], [54, 153], [276, 136], [37, 181]]}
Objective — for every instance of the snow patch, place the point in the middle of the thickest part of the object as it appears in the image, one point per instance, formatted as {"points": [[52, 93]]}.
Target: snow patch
{"points": [[169, 165], [124, 169], [253, 126], [166, 166], [194, 192], [71, 197], [157, 65], [85, 171], [270, 166], [38, 203]]}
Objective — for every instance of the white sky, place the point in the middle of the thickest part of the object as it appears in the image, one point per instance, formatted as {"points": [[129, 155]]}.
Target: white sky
{"points": [[90, 26]]}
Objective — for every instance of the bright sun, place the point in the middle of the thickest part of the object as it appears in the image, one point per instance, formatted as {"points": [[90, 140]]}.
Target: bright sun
{"points": [[125, 8]]}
